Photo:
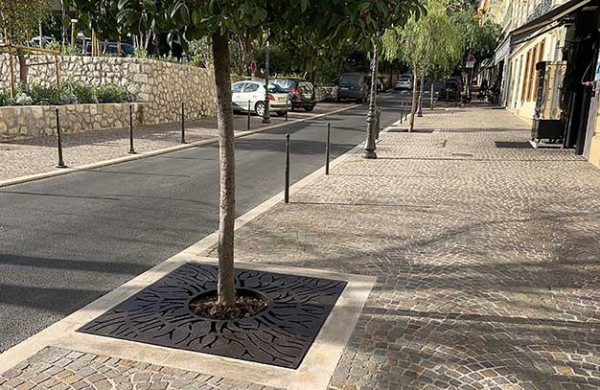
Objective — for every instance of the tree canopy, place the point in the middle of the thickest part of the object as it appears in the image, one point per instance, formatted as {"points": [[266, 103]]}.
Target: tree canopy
{"points": [[19, 20]]}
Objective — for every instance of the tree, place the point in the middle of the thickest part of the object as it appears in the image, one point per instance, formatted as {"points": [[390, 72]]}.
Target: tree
{"points": [[478, 40], [19, 20], [222, 20], [431, 44]]}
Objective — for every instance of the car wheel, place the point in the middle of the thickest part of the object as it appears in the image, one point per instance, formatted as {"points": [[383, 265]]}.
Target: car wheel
{"points": [[259, 108], [308, 108]]}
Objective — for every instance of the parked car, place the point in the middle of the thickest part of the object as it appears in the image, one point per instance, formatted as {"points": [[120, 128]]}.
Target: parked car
{"points": [[450, 89], [45, 41], [352, 86], [405, 82], [111, 48], [302, 92], [254, 92]]}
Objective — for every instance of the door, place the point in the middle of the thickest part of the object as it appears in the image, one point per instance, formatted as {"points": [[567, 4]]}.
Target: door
{"points": [[251, 94], [236, 96]]}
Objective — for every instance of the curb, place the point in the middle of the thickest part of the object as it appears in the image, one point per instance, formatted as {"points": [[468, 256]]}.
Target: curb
{"points": [[119, 160]]}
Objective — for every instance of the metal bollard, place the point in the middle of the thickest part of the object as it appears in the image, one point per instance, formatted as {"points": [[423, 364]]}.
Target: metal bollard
{"points": [[286, 115], [378, 124], [287, 169], [327, 148], [61, 162], [131, 149], [248, 125], [182, 122]]}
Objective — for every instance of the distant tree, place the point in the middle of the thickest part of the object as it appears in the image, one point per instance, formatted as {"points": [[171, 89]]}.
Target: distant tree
{"points": [[19, 20], [431, 44], [478, 40]]}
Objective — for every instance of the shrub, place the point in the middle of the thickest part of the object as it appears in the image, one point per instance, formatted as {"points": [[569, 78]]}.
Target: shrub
{"points": [[83, 92], [22, 99], [111, 93], [140, 52], [5, 98], [44, 95], [68, 98]]}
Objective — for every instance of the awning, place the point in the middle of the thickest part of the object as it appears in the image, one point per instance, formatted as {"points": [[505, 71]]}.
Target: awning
{"points": [[546, 22], [502, 51]]}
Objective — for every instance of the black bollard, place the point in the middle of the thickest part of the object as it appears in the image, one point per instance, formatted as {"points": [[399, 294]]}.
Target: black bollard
{"points": [[248, 125], [182, 122], [378, 124], [287, 169], [131, 149], [286, 115], [61, 162], [327, 148]]}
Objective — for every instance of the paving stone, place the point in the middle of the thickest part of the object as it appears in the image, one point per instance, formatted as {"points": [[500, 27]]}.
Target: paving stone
{"points": [[111, 373], [485, 252]]}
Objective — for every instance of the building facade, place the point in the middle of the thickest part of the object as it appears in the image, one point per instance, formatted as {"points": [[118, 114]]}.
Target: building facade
{"points": [[553, 41]]}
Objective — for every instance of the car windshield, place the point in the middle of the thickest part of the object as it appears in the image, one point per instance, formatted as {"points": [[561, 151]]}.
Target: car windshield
{"points": [[286, 84], [273, 88], [349, 79]]}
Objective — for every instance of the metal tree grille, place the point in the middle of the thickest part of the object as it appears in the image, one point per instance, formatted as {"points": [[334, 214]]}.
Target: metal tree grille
{"points": [[279, 335]]}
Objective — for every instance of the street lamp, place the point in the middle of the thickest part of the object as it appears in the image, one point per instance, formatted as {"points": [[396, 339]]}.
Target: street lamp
{"points": [[369, 152], [267, 115]]}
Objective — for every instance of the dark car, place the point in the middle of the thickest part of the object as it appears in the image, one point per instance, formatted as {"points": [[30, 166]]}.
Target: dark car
{"points": [[450, 90], [352, 86], [302, 92]]}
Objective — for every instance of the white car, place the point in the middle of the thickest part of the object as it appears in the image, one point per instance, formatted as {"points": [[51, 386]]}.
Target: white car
{"points": [[252, 94], [404, 82]]}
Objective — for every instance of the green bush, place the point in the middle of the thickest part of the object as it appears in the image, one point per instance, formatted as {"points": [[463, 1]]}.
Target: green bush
{"points": [[44, 95], [5, 98], [111, 93], [83, 92]]}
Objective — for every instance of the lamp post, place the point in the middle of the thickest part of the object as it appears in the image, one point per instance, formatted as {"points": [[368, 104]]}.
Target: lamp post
{"points": [[369, 152], [73, 27], [267, 114]]}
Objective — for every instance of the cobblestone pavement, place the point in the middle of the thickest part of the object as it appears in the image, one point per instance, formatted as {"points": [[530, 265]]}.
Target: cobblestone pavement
{"points": [[486, 253], [60, 369], [31, 156]]}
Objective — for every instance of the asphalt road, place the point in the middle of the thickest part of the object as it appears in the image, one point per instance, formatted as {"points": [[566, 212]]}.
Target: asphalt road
{"points": [[68, 240]]}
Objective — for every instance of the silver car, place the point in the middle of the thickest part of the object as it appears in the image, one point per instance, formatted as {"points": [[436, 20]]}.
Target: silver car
{"points": [[252, 94]]}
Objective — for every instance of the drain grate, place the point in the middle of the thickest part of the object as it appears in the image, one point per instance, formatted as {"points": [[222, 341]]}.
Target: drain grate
{"points": [[280, 335]]}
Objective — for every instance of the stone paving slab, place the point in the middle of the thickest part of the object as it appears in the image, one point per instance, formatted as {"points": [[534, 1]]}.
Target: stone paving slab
{"points": [[485, 250], [63, 369], [21, 157]]}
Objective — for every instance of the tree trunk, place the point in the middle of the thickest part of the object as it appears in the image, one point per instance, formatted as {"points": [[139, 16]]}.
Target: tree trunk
{"points": [[23, 70], [431, 100], [226, 286], [415, 97]]}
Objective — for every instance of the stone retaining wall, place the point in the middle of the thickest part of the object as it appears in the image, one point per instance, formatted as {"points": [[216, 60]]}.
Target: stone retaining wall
{"points": [[160, 85], [326, 93], [39, 121]]}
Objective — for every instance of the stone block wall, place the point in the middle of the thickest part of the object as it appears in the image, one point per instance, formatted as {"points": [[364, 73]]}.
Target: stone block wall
{"points": [[39, 121], [326, 93], [160, 85]]}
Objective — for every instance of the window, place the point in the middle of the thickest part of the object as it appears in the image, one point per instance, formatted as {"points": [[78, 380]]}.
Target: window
{"points": [[237, 87], [251, 87], [525, 77], [532, 74], [542, 48]]}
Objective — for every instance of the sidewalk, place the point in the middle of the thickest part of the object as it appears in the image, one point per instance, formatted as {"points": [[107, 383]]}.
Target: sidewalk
{"points": [[22, 157], [485, 253]]}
